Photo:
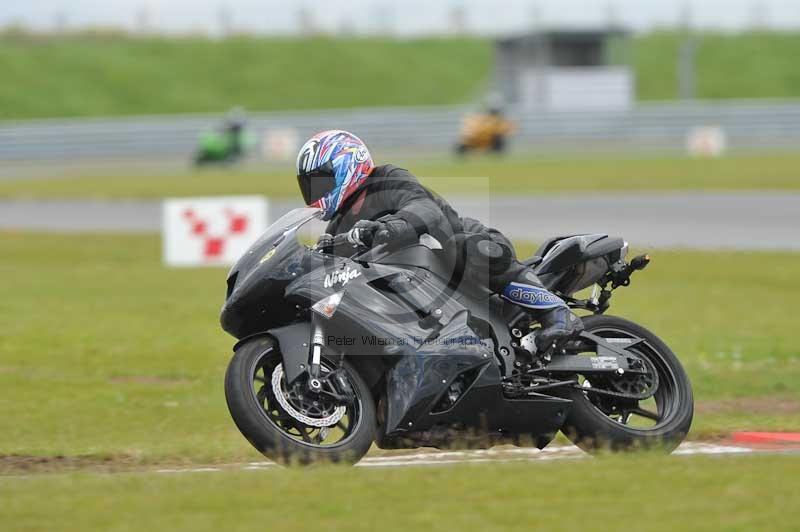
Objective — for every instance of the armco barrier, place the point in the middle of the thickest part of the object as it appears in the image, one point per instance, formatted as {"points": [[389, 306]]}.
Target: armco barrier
{"points": [[652, 126]]}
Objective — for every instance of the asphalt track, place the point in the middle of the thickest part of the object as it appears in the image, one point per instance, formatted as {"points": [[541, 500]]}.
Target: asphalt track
{"points": [[742, 221]]}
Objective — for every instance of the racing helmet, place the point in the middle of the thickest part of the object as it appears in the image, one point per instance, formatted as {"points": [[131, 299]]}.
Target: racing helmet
{"points": [[331, 166]]}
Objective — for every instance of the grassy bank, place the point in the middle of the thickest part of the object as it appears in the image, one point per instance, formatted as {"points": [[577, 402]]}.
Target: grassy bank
{"points": [[512, 175], [103, 352], [116, 74], [757, 64], [111, 74]]}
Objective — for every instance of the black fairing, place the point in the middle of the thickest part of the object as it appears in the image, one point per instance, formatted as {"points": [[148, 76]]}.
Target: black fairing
{"points": [[255, 299], [571, 263], [411, 314], [418, 381], [447, 264]]}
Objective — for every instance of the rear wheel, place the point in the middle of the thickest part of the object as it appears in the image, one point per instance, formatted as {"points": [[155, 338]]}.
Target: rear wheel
{"points": [[631, 411], [291, 424]]}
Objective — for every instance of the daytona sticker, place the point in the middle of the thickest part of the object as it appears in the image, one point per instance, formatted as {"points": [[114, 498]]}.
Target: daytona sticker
{"points": [[531, 296]]}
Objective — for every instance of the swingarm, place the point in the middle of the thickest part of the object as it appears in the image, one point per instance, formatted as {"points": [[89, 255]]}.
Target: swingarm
{"points": [[610, 357]]}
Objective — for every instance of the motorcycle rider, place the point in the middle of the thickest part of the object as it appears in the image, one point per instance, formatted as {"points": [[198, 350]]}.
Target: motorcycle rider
{"points": [[235, 122], [386, 204]]}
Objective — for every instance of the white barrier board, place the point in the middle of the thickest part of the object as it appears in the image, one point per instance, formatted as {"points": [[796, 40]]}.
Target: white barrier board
{"points": [[706, 141], [212, 231]]}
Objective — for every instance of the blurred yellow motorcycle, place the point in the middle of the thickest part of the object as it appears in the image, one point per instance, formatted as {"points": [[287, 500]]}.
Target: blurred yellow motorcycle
{"points": [[485, 132]]}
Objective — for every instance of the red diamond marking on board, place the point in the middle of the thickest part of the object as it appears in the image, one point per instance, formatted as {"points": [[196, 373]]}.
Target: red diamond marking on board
{"points": [[238, 222], [214, 247], [199, 227]]}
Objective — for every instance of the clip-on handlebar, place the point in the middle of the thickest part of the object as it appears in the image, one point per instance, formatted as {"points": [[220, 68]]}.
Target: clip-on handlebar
{"points": [[327, 243]]}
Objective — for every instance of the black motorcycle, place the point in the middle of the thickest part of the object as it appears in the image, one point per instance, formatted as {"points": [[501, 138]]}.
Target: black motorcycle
{"points": [[407, 348]]}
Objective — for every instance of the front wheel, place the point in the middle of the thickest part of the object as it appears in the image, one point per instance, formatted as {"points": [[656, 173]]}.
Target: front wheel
{"points": [[291, 424], [629, 411]]}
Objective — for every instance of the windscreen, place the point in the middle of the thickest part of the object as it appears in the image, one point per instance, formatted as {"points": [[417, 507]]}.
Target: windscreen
{"points": [[293, 219], [293, 229]]}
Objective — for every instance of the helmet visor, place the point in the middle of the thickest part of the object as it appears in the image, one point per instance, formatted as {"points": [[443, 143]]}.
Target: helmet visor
{"points": [[317, 183]]}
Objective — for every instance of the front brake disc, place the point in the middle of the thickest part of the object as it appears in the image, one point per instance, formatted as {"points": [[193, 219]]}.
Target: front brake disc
{"points": [[277, 389]]}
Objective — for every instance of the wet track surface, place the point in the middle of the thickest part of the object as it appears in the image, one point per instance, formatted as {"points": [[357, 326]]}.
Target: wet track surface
{"points": [[748, 221]]}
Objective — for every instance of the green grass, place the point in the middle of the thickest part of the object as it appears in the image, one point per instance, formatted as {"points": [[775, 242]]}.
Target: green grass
{"points": [[513, 175], [107, 73], [642, 493], [105, 352], [750, 65], [114, 74]]}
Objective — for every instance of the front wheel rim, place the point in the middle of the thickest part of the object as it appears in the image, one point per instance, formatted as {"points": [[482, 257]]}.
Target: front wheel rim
{"points": [[315, 437]]}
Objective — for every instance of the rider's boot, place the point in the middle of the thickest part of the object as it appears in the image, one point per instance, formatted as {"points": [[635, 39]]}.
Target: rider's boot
{"points": [[559, 323]]}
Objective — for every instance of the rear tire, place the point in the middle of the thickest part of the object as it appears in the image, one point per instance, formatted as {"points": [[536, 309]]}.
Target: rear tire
{"points": [[255, 424], [592, 430]]}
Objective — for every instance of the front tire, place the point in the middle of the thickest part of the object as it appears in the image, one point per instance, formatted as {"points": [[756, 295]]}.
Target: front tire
{"points": [[273, 431], [598, 424]]}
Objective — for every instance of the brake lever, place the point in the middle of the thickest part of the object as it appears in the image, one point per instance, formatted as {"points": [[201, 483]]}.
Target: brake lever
{"points": [[324, 244]]}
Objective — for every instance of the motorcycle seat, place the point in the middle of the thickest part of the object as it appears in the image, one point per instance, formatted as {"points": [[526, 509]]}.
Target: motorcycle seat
{"points": [[564, 252]]}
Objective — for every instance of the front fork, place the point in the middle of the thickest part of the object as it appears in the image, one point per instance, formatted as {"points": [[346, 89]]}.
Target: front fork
{"points": [[337, 385], [316, 343]]}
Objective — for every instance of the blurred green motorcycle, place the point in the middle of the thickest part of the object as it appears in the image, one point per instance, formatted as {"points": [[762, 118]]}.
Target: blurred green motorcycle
{"points": [[226, 146]]}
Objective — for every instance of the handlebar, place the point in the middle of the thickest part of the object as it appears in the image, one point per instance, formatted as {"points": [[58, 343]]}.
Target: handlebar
{"points": [[327, 243], [340, 239]]}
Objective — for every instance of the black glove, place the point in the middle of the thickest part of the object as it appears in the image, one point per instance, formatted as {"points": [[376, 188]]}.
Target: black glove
{"points": [[396, 232], [324, 243], [363, 233]]}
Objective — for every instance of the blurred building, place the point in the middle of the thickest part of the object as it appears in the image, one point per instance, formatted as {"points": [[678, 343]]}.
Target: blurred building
{"points": [[564, 70]]}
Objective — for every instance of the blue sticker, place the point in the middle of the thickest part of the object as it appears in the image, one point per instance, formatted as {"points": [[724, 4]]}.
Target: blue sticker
{"points": [[531, 296]]}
